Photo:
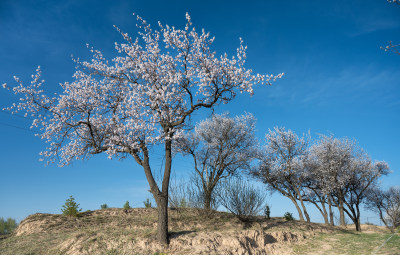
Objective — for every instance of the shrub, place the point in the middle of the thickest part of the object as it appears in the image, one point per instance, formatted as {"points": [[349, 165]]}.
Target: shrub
{"points": [[7, 226], [147, 203], [267, 212], [104, 206], [288, 216], [71, 208], [241, 198], [126, 205]]}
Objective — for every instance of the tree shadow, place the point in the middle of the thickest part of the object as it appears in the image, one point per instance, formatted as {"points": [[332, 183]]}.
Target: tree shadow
{"points": [[4, 236], [176, 234]]}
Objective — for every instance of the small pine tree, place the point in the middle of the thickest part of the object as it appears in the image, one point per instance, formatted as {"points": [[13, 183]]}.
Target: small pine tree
{"points": [[126, 205], [71, 208], [183, 203], [104, 206], [288, 216], [7, 226], [267, 212], [147, 203]]}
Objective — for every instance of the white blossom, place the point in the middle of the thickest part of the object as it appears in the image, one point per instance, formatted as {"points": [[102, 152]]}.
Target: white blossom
{"points": [[140, 98]]}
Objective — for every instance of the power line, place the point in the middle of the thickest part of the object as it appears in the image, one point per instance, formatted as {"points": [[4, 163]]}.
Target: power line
{"points": [[176, 162], [13, 126], [16, 115]]}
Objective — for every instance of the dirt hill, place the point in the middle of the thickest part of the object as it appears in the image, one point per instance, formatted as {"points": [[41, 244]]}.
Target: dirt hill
{"points": [[132, 231]]}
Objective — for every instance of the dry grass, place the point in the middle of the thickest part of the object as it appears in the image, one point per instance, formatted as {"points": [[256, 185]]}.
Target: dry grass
{"points": [[132, 231]]}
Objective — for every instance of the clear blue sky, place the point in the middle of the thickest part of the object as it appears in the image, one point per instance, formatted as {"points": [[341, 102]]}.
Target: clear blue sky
{"points": [[337, 79]]}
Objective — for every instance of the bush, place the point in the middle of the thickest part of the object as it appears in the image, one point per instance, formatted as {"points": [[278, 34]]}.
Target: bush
{"points": [[241, 198], [288, 216], [126, 205], [147, 203], [267, 212], [71, 208], [104, 206], [7, 226]]}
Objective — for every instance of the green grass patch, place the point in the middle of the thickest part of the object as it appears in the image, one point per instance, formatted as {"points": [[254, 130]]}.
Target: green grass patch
{"points": [[349, 242]]}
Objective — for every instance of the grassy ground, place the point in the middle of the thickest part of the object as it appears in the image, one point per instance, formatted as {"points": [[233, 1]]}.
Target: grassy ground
{"points": [[350, 242]]}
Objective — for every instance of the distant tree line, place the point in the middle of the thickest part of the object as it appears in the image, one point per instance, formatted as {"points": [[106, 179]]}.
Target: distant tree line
{"points": [[329, 173]]}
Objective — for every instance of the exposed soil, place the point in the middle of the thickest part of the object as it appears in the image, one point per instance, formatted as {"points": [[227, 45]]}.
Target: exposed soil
{"points": [[132, 231]]}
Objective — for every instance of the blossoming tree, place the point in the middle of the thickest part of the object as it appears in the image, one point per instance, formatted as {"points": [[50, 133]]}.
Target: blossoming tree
{"points": [[141, 98], [343, 173], [281, 166]]}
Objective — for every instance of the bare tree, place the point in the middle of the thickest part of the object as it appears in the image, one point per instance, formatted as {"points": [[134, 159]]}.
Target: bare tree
{"points": [[220, 146], [281, 166], [386, 204], [140, 99], [241, 198]]}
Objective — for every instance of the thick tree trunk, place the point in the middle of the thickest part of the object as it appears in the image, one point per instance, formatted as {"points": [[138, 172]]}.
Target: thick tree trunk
{"points": [[358, 225], [161, 197], [162, 229], [207, 200], [162, 226]]}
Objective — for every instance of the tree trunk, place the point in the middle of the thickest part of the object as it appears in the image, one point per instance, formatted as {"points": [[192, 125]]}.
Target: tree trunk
{"points": [[332, 223], [326, 221], [341, 210], [207, 200], [353, 216], [358, 218], [161, 197], [162, 229], [301, 218], [324, 213], [358, 225], [162, 226], [302, 204], [304, 209], [322, 208]]}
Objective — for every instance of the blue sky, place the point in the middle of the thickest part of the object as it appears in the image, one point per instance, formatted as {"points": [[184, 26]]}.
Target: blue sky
{"points": [[337, 79]]}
